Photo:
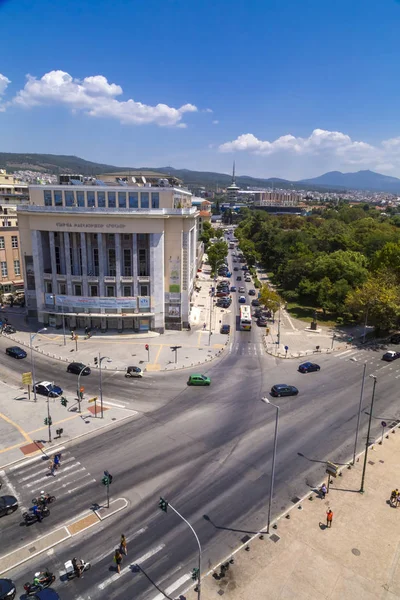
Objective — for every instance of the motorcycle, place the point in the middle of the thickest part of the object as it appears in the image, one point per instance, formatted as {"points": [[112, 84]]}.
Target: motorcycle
{"points": [[32, 588], [47, 500], [30, 517], [70, 570]]}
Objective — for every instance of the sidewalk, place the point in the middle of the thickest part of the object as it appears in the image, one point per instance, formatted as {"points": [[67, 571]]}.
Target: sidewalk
{"points": [[359, 557], [24, 434]]}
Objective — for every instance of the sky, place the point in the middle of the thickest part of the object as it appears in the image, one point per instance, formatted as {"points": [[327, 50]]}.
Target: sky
{"points": [[285, 88]]}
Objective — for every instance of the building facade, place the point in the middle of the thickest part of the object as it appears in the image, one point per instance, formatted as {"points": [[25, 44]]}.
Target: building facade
{"points": [[109, 256], [10, 254], [12, 190], [276, 198]]}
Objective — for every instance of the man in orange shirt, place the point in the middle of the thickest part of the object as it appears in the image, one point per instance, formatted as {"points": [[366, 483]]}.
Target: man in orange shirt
{"points": [[329, 518]]}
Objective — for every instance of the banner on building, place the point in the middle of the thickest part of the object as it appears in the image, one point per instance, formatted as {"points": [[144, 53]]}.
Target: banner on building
{"points": [[95, 301]]}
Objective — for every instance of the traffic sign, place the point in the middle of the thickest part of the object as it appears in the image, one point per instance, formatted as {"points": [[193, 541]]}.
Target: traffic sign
{"points": [[332, 469], [27, 378], [384, 424], [92, 399], [286, 348]]}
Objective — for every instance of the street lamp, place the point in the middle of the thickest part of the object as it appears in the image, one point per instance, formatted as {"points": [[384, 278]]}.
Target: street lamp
{"points": [[63, 316], [101, 358], [359, 413], [368, 432], [271, 490], [32, 337], [79, 387]]}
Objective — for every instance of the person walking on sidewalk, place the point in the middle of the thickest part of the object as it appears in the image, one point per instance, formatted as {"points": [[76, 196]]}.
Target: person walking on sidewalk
{"points": [[394, 498], [329, 518], [123, 546], [323, 491], [118, 560]]}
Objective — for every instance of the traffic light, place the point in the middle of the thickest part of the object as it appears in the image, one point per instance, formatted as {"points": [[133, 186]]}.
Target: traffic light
{"points": [[47, 421], [147, 347], [64, 401], [163, 504], [107, 479], [96, 361], [195, 574]]}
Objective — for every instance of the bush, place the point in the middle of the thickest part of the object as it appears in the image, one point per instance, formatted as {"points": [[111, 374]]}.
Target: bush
{"points": [[290, 295]]}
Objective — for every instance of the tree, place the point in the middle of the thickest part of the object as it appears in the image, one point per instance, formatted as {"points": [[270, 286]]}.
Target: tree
{"points": [[219, 234], [216, 254], [270, 299], [378, 299]]}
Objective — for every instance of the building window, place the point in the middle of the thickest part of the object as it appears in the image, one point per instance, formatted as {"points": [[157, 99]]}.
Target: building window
{"points": [[110, 291], [127, 237], [48, 201], [48, 287], [78, 289], [111, 200], [144, 200], [62, 288], [94, 290], [17, 267], [101, 199], [155, 200], [90, 199], [96, 261], [14, 241], [127, 291], [3, 267], [2, 244], [58, 260], [58, 198], [122, 199], [110, 238], [127, 262], [133, 200], [69, 198], [80, 198], [144, 290], [142, 262], [111, 262]]}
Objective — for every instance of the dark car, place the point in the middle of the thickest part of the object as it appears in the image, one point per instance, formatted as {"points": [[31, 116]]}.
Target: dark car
{"points": [[225, 329], [283, 389], [9, 329], [395, 339], [46, 388], [252, 292], [236, 268], [78, 367], [16, 352], [391, 355], [46, 594], [262, 322], [309, 367], [233, 288], [8, 505], [255, 302], [7, 589], [239, 278]]}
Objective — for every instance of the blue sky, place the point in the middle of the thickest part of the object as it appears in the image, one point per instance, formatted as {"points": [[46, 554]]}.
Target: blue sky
{"points": [[287, 89]]}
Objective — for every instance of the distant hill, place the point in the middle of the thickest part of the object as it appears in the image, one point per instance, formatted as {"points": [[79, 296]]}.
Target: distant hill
{"points": [[361, 180], [52, 163]]}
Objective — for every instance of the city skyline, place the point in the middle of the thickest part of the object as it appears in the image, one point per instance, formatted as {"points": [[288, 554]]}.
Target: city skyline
{"points": [[289, 94]]}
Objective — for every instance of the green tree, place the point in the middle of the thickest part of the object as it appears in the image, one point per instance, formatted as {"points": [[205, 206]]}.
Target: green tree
{"points": [[379, 299], [270, 299], [219, 234], [216, 254]]}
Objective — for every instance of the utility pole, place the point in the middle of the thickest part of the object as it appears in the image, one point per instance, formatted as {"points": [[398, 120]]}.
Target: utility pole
{"points": [[368, 432], [359, 413], [107, 480]]}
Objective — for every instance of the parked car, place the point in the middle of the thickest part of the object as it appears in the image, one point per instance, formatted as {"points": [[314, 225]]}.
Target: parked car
{"points": [[46, 388], [242, 299], [225, 329], [9, 329], [252, 292], [8, 505], [134, 372], [198, 379], [262, 322], [16, 352], [390, 355], [7, 589], [222, 293], [224, 302], [78, 368], [283, 389], [309, 367], [255, 302], [395, 339]]}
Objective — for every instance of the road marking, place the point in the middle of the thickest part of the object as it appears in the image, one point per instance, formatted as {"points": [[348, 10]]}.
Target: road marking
{"points": [[13, 491], [49, 479], [29, 461], [343, 353], [128, 569], [32, 475], [114, 404], [81, 486], [173, 587]]}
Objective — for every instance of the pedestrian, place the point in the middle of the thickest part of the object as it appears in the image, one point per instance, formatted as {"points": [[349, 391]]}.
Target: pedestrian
{"points": [[394, 498], [57, 460], [323, 491], [123, 546], [329, 518], [204, 325], [118, 560]]}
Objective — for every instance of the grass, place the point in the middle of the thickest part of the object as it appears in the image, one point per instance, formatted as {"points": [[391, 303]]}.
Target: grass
{"points": [[306, 313]]}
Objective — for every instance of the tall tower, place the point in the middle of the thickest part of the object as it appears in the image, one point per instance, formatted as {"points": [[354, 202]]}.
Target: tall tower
{"points": [[232, 190]]}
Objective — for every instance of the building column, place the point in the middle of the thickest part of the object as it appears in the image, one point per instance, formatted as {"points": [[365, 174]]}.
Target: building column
{"points": [[85, 286], [89, 254], [62, 255], [68, 262], [118, 287], [135, 289], [38, 266], [52, 246], [75, 254], [101, 247], [157, 280]]}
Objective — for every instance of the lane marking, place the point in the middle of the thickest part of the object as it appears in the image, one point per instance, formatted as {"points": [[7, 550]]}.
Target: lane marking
{"points": [[29, 461], [13, 491], [345, 352], [51, 479], [128, 569], [114, 404], [173, 587], [79, 487], [32, 475], [105, 555]]}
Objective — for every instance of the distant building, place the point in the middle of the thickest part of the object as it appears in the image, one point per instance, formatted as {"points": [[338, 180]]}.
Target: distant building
{"points": [[12, 190], [233, 190], [205, 214], [276, 198], [11, 278]]}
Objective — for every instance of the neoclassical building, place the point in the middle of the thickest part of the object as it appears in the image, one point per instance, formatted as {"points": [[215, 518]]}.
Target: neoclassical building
{"points": [[109, 255]]}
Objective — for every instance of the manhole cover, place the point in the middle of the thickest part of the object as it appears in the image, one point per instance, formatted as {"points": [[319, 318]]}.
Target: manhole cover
{"points": [[245, 539], [33, 549], [295, 500], [275, 538], [356, 552]]}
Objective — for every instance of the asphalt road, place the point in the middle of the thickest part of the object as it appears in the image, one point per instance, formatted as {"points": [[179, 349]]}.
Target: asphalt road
{"points": [[208, 451]]}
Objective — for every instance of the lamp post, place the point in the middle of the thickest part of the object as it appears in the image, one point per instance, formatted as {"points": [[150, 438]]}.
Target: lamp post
{"points": [[32, 337], [359, 413], [79, 387], [101, 358], [368, 432], [271, 490], [63, 315]]}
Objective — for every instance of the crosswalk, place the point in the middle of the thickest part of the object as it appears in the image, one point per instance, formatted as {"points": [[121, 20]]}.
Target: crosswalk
{"points": [[246, 349], [372, 358], [31, 478]]}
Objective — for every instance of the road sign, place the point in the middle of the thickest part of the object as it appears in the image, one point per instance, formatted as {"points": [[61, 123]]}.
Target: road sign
{"points": [[286, 348], [27, 378], [332, 469], [384, 424], [92, 399]]}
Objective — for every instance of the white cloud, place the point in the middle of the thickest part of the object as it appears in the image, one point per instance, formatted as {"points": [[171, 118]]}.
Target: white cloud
{"points": [[215, 122], [208, 110], [96, 97], [4, 82]]}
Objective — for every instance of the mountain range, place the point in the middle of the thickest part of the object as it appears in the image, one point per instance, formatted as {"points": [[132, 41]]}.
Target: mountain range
{"points": [[332, 181]]}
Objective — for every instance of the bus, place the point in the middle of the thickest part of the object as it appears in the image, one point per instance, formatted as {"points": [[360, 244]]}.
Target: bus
{"points": [[245, 318]]}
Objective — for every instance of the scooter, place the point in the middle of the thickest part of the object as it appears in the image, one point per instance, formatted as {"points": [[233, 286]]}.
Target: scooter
{"points": [[32, 588], [47, 500], [71, 572], [30, 517]]}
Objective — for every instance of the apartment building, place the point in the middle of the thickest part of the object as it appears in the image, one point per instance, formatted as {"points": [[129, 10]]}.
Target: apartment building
{"points": [[113, 255], [12, 190], [10, 258]]}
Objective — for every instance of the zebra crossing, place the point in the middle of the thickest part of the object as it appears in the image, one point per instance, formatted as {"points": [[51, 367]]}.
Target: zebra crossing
{"points": [[246, 349], [33, 476], [372, 358]]}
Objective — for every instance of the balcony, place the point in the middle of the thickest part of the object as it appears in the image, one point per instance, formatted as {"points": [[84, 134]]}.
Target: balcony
{"points": [[143, 278], [61, 277], [93, 278], [47, 276], [109, 279], [126, 279]]}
